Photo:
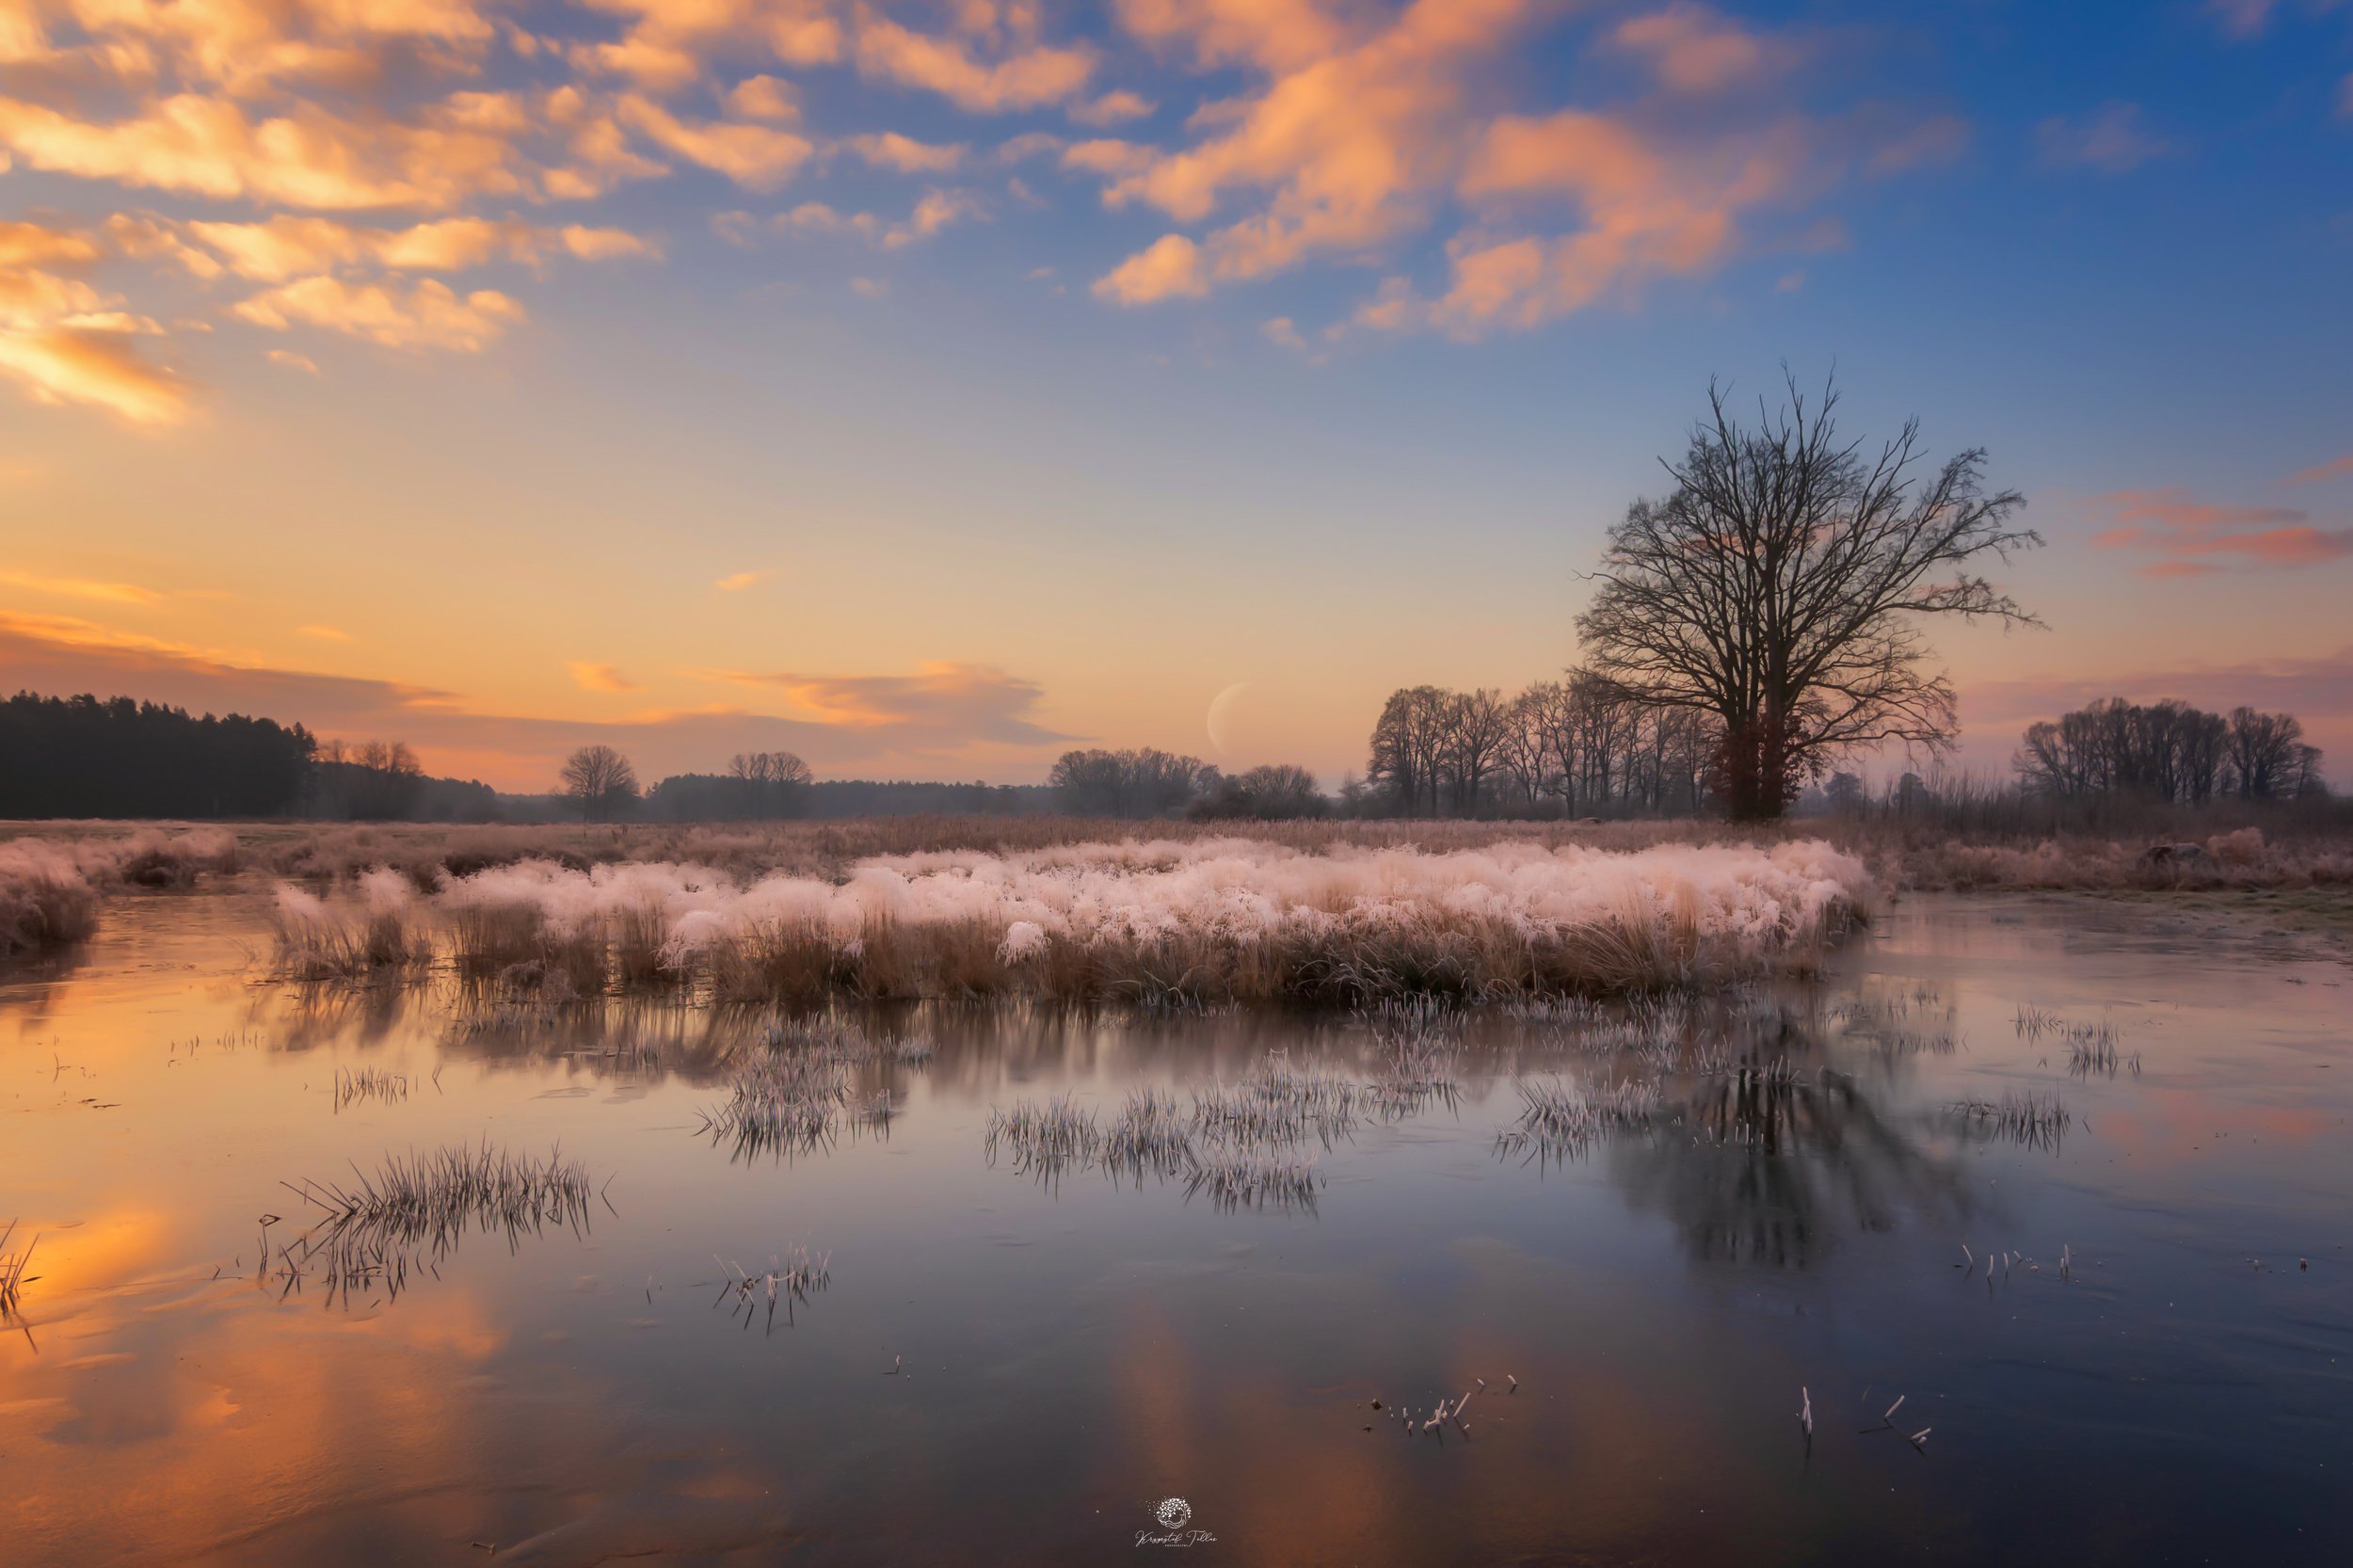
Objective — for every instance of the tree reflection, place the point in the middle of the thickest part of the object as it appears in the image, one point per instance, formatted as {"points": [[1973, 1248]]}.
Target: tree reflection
{"points": [[1775, 1173]]}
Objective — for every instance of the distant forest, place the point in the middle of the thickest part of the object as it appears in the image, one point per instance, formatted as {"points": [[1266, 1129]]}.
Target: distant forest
{"points": [[116, 756], [1575, 748]]}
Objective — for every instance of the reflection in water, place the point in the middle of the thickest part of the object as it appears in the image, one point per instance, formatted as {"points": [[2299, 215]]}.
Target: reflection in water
{"points": [[1775, 1171], [1769, 1193]]}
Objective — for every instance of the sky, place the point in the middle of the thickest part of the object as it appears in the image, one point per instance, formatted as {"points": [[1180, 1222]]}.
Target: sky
{"points": [[930, 386]]}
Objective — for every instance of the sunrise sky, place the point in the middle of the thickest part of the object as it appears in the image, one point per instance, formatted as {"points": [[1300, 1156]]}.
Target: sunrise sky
{"points": [[928, 387]]}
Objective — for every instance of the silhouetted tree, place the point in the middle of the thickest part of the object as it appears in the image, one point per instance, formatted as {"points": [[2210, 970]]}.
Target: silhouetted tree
{"points": [[2167, 751], [1140, 783], [601, 782], [1276, 792], [1780, 586]]}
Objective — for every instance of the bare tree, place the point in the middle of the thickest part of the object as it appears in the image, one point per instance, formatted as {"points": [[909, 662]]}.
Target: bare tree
{"points": [[767, 783], [1780, 587], [2263, 751], [602, 780]]}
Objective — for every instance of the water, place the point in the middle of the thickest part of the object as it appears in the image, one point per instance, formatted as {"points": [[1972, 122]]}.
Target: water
{"points": [[1071, 1353]]}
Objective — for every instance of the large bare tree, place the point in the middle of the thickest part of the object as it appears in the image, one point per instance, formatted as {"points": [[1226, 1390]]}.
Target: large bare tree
{"points": [[1781, 586], [601, 780]]}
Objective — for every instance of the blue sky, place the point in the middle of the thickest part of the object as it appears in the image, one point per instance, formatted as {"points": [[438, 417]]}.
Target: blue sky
{"points": [[563, 371]]}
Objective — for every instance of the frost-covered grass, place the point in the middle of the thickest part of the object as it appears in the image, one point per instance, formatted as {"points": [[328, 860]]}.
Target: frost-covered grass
{"points": [[1193, 921], [50, 887]]}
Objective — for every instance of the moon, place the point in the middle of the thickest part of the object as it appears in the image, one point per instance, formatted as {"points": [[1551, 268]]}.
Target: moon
{"points": [[1221, 712]]}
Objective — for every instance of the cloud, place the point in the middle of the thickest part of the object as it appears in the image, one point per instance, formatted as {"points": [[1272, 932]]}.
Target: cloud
{"points": [[600, 678], [891, 149], [1169, 268], [1283, 332], [430, 316], [1110, 157], [2183, 529], [2111, 141], [2336, 468], [934, 211], [1698, 52], [290, 246], [326, 634], [95, 365], [767, 98], [975, 702], [758, 156], [1369, 128], [293, 360], [453, 150], [82, 588], [1025, 75], [1112, 108], [943, 716], [870, 288], [65, 341], [2312, 687], [735, 583]]}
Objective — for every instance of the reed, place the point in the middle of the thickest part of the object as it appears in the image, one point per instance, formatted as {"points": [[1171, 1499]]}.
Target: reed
{"points": [[379, 1233], [790, 1279], [13, 1275], [2027, 1118]]}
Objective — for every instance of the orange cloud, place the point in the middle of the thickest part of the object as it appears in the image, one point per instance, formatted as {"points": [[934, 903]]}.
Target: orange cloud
{"points": [[1170, 268], [891, 149], [1696, 51], [758, 156], [430, 315], [289, 246], [459, 148], [600, 678], [96, 365], [2339, 468], [1026, 74], [82, 588], [1368, 124], [2178, 526], [1112, 108], [976, 699]]}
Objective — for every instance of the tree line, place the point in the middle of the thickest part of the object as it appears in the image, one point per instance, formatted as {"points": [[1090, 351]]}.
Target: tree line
{"points": [[85, 756], [2169, 751], [1147, 782], [1577, 747]]}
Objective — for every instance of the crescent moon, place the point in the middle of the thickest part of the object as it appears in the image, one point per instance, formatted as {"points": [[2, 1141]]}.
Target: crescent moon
{"points": [[1221, 713]]}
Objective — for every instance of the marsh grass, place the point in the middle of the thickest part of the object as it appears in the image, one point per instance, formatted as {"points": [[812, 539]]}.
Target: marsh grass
{"points": [[796, 1089], [2027, 1118], [1562, 1120], [352, 1086], [378, 1234], [13, 1275], [790, 1279], [1176, 925], [50, 887]]}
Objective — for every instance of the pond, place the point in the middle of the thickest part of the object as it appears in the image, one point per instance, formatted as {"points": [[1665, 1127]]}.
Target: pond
{"points": [[2037, 1206]]}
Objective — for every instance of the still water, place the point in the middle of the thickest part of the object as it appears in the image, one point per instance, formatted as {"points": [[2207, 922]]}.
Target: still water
{"points": [[1006, 1369]]}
